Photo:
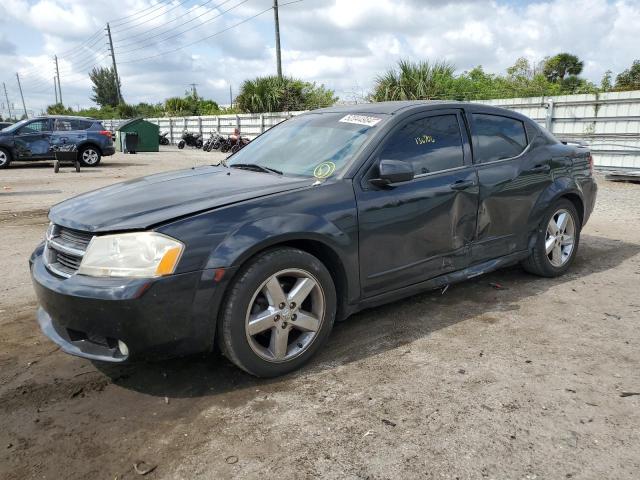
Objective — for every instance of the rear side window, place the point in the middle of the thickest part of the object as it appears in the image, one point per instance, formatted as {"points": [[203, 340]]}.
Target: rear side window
{"points": [[498, 137], [430, 144], [69, 124]]}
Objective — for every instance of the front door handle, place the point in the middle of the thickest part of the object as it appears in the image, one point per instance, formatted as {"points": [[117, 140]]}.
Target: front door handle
{"points": [[541, 168], [462, 184]]}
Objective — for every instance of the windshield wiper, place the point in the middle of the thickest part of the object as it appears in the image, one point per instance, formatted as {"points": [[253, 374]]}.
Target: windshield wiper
{"points": [[255, 167]]}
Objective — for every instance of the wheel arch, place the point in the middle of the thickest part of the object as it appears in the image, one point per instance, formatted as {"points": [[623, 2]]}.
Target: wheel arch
{"points": [[89, 143], [320, 249], [564, 187]]}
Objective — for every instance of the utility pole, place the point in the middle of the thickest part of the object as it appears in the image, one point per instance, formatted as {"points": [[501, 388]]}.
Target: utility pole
{"points": [[7, 97], [230, 96], [277, 22], [55, 88], [58, 75], [26, 115], [194, 92], [115, 68]]}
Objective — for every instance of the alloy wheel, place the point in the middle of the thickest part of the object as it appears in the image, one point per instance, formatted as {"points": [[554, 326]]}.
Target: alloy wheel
{"points": [[4, 158], [285, 315], [90, 156], [560, 238]]}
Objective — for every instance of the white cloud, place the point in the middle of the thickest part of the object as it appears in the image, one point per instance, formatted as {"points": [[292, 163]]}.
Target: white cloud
{"points": [[341, 43]]}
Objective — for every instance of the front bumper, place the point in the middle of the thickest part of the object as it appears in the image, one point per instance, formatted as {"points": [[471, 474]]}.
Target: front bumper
{"points": [[164, 317]]}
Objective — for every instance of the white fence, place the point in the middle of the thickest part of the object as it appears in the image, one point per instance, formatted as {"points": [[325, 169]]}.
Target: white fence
{"points": [[250, 125], [608, 122]]}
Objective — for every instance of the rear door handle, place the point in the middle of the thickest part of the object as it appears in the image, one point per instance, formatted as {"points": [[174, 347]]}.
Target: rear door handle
{"points": [[541, 168], [462, 184]]}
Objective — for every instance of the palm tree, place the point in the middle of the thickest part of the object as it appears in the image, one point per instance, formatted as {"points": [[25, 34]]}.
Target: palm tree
{"points": [[414, 81], [274, 94]]}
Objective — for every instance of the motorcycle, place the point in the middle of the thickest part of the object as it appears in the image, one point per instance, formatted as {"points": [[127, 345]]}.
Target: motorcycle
{"points": [[191, 140], [213, 142], [240, 143], [162, 138]]}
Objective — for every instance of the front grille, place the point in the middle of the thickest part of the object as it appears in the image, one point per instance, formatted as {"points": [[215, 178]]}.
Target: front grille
{"points": [[64, 249]]}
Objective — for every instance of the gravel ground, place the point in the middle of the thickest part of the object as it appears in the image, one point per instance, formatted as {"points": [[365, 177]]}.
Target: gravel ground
{"points": [[522, 382]]}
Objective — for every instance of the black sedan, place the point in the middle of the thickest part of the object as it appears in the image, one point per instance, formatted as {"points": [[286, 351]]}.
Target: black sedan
{"points": [[326, 214]]}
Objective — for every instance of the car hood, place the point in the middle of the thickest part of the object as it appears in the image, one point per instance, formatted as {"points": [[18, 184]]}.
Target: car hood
{"points": [[144, 202]]}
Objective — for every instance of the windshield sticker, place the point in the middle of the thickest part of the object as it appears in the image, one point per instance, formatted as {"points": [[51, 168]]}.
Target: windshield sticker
{"points": [[361, 120], [424, 139], [324, 170]]}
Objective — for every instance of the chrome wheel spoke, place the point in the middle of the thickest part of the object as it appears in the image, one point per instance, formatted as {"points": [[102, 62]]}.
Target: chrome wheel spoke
{"points": [[552, 228], [556, 255], [279, 342], [260, 322], [306, 322], [274, 293], [567, 240], [549, 244], [563, 218], [301, 290]]}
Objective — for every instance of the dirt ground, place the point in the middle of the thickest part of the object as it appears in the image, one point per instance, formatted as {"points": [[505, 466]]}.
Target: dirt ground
{"points": [[527, 381]]}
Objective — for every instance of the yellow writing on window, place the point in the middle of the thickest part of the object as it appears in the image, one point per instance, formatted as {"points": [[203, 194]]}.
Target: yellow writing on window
{"points": [[424, 139]]}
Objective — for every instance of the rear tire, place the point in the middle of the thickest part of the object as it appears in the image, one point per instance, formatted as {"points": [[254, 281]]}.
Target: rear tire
{"points": [[5, 158], [89, 156], [557, 241], [278, 312], [181, 144]]}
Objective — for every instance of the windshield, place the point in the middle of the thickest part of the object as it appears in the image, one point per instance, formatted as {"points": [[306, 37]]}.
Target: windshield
{"points": [[313, 145], [15, 126]]}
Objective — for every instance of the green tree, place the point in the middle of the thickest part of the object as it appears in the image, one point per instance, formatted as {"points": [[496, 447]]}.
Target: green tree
{"points": [[104, 86], [559, 66], [630, 78], [415, 81], [606, 83], [59, 109], [274, 94]]}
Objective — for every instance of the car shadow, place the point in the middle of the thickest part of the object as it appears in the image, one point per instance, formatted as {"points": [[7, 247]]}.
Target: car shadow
{"points": [[370, 332]]}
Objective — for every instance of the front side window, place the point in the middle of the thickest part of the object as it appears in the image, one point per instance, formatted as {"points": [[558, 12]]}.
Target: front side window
{"points": [[312, 145], [498, 137], [36, 126], [430, 144]]}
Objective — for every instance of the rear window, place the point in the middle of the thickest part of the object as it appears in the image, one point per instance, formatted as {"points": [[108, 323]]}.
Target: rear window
{"points": [[69, 124], [498, 137]]}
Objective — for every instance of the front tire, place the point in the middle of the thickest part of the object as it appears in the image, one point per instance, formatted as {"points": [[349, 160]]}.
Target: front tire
{"points": [[89, 156], [278, 312], [5, 158], [181, 144], [557, 240]]}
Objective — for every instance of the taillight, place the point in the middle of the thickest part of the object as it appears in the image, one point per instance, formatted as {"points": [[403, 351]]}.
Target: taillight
{"points": [[106, 133], [590, 160]]}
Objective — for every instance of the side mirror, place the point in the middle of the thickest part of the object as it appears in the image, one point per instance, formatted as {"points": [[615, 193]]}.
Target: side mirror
{"points": [[393, 171]]}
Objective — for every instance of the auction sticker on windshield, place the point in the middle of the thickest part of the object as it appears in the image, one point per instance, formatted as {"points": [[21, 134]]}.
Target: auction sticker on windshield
{"points": [[360, 120]]}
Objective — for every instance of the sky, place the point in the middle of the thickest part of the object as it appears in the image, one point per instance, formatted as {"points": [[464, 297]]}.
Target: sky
{"points": [[163, 46]]}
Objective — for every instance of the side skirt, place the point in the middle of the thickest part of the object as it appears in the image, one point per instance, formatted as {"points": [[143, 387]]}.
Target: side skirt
{"points": [[438, 282]]}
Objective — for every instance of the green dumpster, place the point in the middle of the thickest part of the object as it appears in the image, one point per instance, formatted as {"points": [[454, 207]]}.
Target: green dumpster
{"points": [[148, 135]]}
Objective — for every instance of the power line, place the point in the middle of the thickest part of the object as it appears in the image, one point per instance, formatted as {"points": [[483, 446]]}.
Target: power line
{"points": [[165, 24], [142, 47], [149, 19], [162, 5], [137, 60]]}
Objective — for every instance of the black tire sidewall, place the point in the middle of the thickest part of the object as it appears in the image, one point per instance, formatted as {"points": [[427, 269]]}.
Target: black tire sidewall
{"points": [[540, 250], [8, 154], [232, 333], [83, 163]]}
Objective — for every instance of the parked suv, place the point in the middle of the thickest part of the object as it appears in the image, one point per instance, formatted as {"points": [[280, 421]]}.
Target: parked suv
{"points": [[325, 214], [35, 139]]}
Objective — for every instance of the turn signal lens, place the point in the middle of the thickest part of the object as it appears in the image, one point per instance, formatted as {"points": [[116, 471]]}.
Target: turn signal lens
{"points": [[169, 261]]}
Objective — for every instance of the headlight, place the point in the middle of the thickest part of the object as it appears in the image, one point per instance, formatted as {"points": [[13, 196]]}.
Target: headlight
{"points": [[143, 254]]}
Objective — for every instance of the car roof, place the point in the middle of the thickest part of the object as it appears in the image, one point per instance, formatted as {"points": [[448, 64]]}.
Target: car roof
{"points": [[391, 108], [70, 117]]}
